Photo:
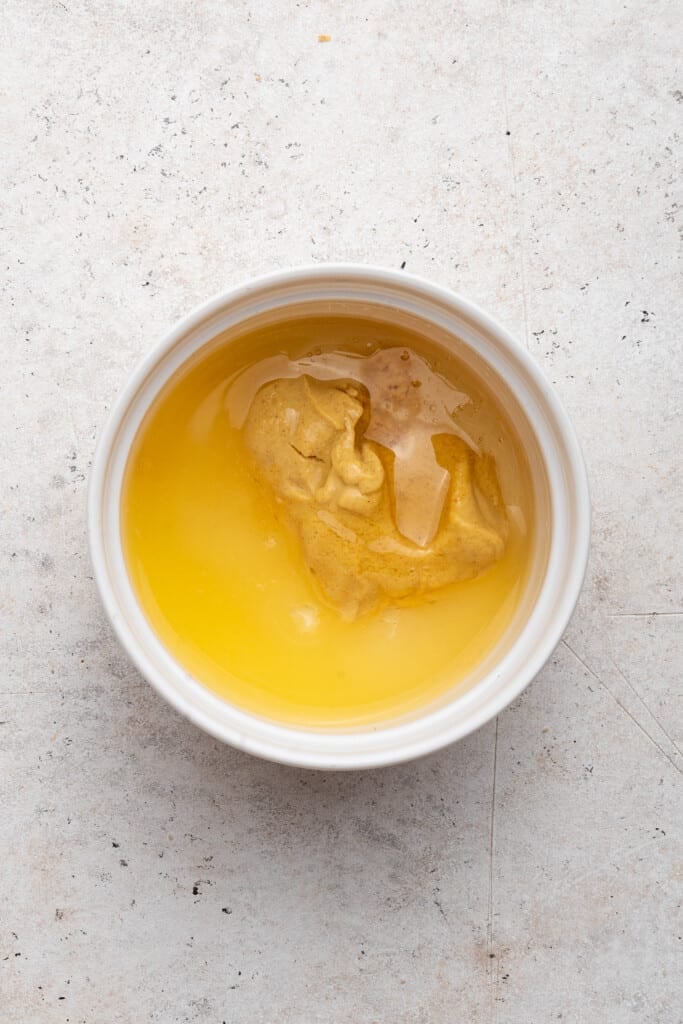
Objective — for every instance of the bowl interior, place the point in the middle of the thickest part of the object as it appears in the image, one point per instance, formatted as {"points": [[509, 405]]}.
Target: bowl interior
{"points": [[534, 414]]}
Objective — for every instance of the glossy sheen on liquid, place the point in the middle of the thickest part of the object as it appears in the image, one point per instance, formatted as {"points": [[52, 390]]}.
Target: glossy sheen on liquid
{"points": [[222, 581]]}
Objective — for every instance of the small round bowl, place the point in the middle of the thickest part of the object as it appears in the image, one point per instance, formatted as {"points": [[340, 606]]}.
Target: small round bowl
{"points": [[562, 512]]}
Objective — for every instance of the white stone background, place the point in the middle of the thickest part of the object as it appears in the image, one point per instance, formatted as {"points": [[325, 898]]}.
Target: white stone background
{"points": [[524, 153]]}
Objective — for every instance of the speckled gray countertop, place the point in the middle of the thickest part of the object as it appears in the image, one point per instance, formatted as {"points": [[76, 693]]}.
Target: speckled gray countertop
{"points": [[523, 153]]}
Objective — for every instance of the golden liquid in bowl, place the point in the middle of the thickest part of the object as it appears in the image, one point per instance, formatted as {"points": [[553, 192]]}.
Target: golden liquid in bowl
{"points": [[222, 579]]}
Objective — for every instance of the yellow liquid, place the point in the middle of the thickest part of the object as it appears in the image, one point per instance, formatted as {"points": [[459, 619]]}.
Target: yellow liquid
{"points": [[222, 581]]}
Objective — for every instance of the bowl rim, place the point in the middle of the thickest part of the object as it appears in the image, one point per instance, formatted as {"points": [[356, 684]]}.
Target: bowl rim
{"points": [[284, 743]]}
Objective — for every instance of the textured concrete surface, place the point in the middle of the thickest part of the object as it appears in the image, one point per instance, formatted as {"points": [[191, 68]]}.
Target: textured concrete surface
{"points": [[525, 154]]}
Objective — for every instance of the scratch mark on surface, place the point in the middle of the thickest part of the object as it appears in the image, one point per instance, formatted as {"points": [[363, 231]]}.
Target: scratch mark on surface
{"points": [[515, 187], [647, 708], [29, 693], [437, 904], [644, 615], [623, 707], [492, 967]]}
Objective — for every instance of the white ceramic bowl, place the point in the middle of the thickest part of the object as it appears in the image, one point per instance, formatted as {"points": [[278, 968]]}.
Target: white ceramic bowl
{"points": [[561, 495]]}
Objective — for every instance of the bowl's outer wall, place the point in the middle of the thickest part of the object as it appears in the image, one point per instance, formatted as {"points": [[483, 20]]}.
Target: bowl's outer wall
{"points": [[568, 500]]}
